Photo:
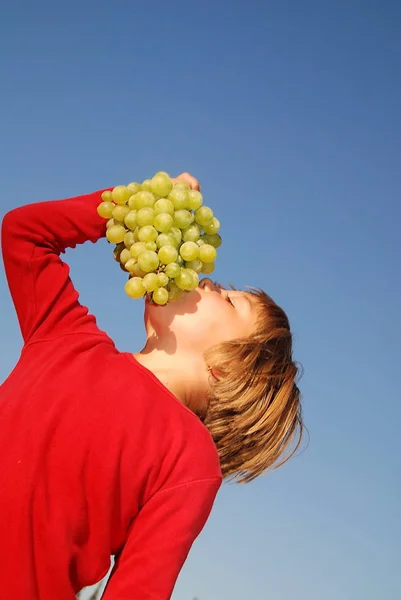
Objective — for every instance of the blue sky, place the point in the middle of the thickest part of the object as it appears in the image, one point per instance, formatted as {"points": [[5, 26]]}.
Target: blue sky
{"points": [[289, 114]]}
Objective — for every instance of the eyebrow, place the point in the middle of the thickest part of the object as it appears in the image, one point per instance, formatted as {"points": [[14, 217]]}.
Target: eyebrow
{"points": [[255, 304], [250, 304]]}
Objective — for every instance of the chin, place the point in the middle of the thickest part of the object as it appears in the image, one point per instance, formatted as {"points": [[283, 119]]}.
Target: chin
{"points": [[164, 315]]}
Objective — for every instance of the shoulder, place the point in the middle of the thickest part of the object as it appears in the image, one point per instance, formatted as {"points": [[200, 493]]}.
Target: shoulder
{"points": [[196, 457]]}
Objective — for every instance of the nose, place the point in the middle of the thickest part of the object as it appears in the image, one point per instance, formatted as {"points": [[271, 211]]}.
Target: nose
{"points": [[208, 284]]}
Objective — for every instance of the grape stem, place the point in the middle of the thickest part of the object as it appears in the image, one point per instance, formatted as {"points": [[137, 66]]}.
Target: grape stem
{"points": [[149, 295]]}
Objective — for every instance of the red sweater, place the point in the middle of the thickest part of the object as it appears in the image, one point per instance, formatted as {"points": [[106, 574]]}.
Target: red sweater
{"points": [[97, 457]]}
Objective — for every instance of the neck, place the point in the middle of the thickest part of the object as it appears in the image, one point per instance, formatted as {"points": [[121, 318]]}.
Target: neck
{"points": [[184, 374]]}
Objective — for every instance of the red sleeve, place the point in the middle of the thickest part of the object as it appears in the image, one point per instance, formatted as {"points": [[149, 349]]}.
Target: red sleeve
{"points": [[33, 237], [159, 542]]}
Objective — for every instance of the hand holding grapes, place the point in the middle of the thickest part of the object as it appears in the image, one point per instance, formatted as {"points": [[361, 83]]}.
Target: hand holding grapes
{"points": [[188, 179], [164, 235]]}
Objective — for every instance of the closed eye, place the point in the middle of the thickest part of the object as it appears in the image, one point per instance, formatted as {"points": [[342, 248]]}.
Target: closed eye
{"points": [[230, 301]]}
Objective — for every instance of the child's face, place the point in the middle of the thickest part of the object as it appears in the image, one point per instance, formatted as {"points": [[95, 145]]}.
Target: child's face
{"points": [[204, 317]]}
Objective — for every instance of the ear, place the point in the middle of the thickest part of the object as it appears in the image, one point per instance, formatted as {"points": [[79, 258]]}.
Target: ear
{"points": [[215, 373]]}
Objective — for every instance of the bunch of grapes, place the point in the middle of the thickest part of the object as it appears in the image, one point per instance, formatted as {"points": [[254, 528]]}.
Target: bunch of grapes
{"points": [[164, 235]]}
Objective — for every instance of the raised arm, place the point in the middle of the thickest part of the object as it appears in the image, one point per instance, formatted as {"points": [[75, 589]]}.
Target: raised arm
{"points": [[159, 541], [33, 237]]}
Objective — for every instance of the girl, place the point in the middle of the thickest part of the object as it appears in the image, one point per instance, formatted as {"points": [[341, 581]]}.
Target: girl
{"points": [[110, 453]]}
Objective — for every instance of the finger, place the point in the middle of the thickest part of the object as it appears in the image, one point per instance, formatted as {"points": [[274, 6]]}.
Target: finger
{"points": [[189, 179], [192, 182], [196, 185]]}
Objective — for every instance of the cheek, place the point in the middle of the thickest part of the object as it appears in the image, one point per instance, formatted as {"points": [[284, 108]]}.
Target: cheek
{"points": [[208, 325], [202, 319], [164, 316]]}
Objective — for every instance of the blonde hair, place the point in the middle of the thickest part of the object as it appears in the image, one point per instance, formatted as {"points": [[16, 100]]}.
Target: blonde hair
{"points": [[254, 413]]}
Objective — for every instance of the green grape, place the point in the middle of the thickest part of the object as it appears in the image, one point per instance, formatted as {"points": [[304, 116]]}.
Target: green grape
{"points": [[174, 292], [191, 233], [129, 239], [195, 199], [130, 265], [183, 218], [120, 194], [207, 268], [145, 216], [120, 212], [106, 196], [163, 279], [185, 279], [137, 249], [212, 227], [132, 202], [125, 255], [179, 198], [189, 251], [134, 287], [167, 254], [196, 265], [148, 261], [172, 269], [214, 240], [203, 215], [130, 219], [147, 234], [207, 253], [194, 279], [105, 209], [147, 185], [117, 251], [164, 206], [181, 185], [163, 222], [115, 234], [161, 184], [160, 296], [144, 199], [151, 282], [137, 271], [134, 187], [176, 233], [157, 223], [165, 239]]}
